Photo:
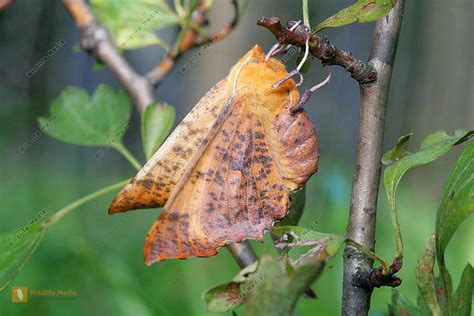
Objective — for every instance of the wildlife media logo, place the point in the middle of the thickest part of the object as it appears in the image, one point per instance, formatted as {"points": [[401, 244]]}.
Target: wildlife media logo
{"points": [[21, 294]]}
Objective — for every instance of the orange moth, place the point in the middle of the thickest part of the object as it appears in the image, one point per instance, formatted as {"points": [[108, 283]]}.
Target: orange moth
{"points": [[226, 172]]}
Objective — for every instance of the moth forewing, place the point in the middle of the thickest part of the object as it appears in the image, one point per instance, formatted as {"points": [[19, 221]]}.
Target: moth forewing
{"points": [[153, 184], [233, 180]]}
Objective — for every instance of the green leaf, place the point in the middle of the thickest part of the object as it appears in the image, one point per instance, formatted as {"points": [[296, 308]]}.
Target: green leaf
{"points": [[431, 148], [401, 305], [221, 298], [242, 6], [76, 119], [425, 276], [423, 309], [272, 285], [277, 285], [226, 297], [457, 201], [463, 295], [16, 249], [133, 23], [441, 291], [397, 152], [362, 11], [301, 235], [157, 121]]}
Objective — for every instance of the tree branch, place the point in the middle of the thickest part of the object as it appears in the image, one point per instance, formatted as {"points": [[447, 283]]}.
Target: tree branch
{"points": [[243, 253], [358, 273], [96, 41], [321, 48]]}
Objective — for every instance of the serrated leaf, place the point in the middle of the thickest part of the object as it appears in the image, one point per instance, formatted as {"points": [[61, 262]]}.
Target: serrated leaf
{"points": [[401, 305], [16, 249], [76, 119], [133, 23], [301, 234], [431, 148], [425, 276], [157, 121], [463, 296], [457, 201], [362, 11]]}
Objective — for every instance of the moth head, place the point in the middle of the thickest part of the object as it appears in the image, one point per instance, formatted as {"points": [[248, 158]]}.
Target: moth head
{"points": [[254, 71], [257, 75]]}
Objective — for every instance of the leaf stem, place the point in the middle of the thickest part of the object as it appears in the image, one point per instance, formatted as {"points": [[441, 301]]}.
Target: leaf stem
{"points": [[67, 209], [124, 151], [306, 14], [396, 230], [369, 254]]}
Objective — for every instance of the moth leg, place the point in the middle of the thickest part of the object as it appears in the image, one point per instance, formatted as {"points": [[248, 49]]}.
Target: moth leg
{"points": [[297, 70], [307, 94], [288, 76], [277, 48]]}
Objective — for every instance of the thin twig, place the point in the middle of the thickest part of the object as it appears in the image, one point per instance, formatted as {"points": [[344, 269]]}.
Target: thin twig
{"points": [[96, 41], [361, 228], [242, 253], [190, 40], [321, 48]]}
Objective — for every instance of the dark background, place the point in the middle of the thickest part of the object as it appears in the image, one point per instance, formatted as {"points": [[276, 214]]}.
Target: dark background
{"points": [[100, 256]]}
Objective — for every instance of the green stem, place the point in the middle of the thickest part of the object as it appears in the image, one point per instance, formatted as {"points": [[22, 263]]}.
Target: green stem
{"points": [[306, 14], [67, 209], [124, 151], [184, 28], [396, 230], [446, 280], [369, 254]]}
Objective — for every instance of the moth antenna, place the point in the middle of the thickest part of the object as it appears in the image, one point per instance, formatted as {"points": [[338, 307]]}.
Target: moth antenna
{"points": [[307, 94], [238, 73]]}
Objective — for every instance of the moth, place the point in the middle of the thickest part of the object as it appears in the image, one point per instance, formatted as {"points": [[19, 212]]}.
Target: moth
{"points": [[226, 172]]}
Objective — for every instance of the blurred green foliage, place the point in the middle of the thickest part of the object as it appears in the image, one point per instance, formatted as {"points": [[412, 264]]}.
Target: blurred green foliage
{"points": [[100, 256]]}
